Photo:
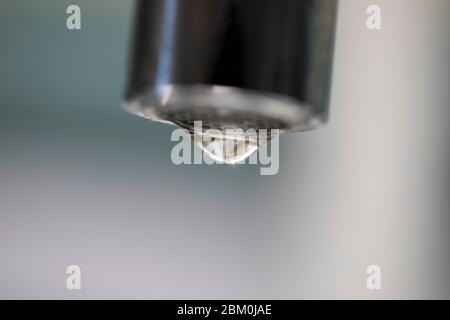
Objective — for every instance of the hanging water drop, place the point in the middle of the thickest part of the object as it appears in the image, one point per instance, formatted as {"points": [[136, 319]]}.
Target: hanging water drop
{"points": [[230, 147]]}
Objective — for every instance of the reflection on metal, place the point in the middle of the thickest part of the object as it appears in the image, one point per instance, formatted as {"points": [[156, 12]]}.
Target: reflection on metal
{"points": [[233, 63]]}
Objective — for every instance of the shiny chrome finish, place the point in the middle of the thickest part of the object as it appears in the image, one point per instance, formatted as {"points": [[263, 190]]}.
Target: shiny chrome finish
{"points": [[233, 63]]}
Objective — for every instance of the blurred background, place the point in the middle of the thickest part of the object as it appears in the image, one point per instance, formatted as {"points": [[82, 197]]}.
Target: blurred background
{"points": [[83, 182]]}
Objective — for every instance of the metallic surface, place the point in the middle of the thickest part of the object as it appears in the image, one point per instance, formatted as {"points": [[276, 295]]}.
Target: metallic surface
{"points": [[279, 50]]}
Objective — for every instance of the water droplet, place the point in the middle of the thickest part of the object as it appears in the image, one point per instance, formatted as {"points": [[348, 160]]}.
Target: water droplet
{"points": [[229, 147]]}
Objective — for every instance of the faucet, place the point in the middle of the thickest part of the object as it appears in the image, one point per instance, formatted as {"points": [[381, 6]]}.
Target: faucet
{"points": [[248, 64]]}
